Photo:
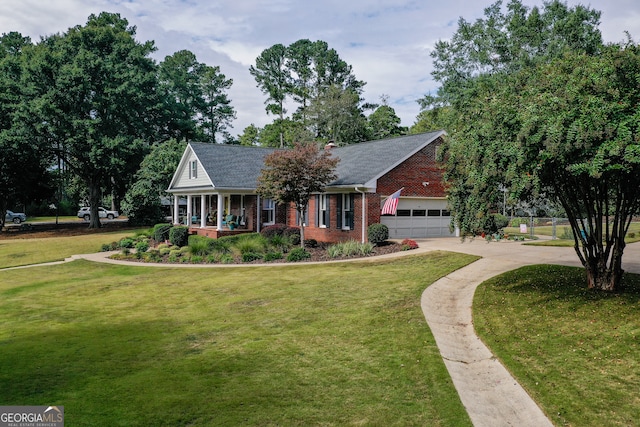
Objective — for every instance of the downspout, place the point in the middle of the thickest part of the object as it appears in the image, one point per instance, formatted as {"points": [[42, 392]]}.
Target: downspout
{"points": [[258, 214], [364, 204]]}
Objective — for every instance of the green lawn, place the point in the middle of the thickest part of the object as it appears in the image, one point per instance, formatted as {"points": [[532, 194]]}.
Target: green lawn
{"points": [[18, 252], [336, 344], [576, 352], [564, 236]]}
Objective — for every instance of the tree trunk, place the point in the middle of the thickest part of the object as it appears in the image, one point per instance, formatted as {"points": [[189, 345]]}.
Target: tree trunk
{"points": [[601, 276], [94, 204], [301, 224]]}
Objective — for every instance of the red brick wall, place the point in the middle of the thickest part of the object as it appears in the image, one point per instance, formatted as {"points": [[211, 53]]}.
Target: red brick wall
{"points": [[332, 233], [419, 168]]}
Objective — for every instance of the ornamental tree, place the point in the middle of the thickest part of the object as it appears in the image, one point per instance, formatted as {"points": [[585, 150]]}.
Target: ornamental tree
{"points": [[569, 129], [293, 176]]}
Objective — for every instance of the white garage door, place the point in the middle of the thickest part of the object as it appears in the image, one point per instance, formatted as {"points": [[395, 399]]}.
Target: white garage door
{"points": [[419, 218]]}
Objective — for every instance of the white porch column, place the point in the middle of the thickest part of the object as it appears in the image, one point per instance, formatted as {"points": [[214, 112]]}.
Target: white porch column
{"points": [[203, 211], [219, 219], [189, 209], [176, 209]]}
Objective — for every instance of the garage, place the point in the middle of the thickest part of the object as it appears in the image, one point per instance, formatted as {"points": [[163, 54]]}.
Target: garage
{"points": [[419, 218]]}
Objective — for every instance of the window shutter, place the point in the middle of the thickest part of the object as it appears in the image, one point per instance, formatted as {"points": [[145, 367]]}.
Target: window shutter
{"points": [[317, 211], [353, 211], [339, 213], [328, 212]]}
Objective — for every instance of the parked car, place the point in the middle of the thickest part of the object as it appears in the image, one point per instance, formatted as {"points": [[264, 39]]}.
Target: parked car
{"points": [[15, 217], [85, 213]]}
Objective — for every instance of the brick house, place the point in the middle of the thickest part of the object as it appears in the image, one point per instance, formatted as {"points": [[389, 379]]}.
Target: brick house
{"points": [[219, 183]]}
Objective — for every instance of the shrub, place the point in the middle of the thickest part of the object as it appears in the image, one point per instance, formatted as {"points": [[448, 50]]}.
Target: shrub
{"points": [[272, 256], [161, 232], [298, 254], [250, 256], [199, 245], [377, 233], [280, 242], [311, 243], [179, 236], [164, 251], [274, 230], [126, 243], [162, 246], [500, 221], [152, 256], [106, 247], [408, 244], [142, 246], [126, 251], [196, 259], [366, 248], [632, 235], [293, 234], [255, 244], [334, 251], [227, 259]]}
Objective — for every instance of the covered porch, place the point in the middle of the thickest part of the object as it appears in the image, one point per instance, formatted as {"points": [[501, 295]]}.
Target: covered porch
{"points": [[217, 214]]}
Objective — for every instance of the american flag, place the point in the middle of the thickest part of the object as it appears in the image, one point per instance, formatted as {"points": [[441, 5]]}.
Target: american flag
{"points": [[391, 204]]}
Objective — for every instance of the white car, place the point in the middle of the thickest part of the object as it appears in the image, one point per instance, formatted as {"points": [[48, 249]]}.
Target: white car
{"points": [[85, 213]]}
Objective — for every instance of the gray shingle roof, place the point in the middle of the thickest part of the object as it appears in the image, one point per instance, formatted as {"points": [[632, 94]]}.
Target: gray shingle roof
{"points": [[238, 167], [360, 163], [232, 166]]}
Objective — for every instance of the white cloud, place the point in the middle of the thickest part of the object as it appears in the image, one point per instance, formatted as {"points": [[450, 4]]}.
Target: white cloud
{"points": [[387, 41]]}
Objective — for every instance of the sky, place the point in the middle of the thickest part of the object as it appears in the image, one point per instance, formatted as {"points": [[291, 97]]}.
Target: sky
{"points": [[387, 42]]}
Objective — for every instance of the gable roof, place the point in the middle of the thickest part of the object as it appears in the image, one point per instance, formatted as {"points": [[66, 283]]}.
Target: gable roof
{"points": [[231, 166], [236, 167], [363, 163]]}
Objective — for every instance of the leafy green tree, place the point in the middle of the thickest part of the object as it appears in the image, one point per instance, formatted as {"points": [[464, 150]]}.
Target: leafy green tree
{"points": [[309, 74], [24, 159], [215, 112], [179, 86], [142, 203], [274, 80], [95, 95], [385, 123], [507, 42], [336, 115], [292, 131], [570, 130], [250, 136], [292, 176]]}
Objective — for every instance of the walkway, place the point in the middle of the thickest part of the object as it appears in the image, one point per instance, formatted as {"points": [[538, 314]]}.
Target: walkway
{"points": [[491, 396]]}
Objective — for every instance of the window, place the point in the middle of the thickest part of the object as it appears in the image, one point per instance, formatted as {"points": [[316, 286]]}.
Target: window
{"points": [[446, 213], [419, 212], [433, 212], [193, 169], [268, 212], [403, 212], [346, 217], [323, 211]]}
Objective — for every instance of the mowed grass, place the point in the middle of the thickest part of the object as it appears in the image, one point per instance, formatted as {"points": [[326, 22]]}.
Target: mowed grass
{"points": [[17, 252], [563, 235], [338, 344], [577, 352]]}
